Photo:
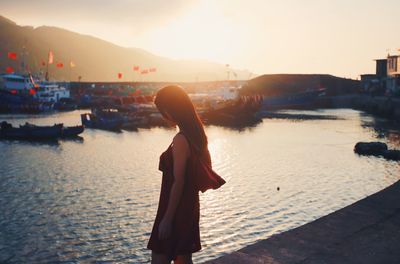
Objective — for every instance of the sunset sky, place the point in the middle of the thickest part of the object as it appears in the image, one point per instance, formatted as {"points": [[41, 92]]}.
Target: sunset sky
{"points": [[289, 36]]}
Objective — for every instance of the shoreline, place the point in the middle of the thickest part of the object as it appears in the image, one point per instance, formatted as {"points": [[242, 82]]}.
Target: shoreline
{"points": [[367, 231]]}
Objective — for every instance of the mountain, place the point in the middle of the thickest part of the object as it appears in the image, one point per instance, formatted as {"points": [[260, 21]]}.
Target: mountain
{"points": [[95, 59], [279, 84]]}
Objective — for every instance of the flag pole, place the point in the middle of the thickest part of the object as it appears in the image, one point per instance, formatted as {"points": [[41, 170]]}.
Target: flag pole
{"points": [[47, 68], [70, 69]]}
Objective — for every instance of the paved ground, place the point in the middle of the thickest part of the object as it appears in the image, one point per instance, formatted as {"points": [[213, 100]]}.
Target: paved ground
{"points": [[365, 232]]}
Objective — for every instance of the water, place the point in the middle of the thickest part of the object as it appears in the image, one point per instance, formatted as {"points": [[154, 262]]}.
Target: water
{"points": [[96, 199]]}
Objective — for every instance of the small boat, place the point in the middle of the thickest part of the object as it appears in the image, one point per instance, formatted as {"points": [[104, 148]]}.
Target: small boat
{"points": [[101, 122], [65, 104], [30, 131], [33, 132], [72, 131], [240, 112]]}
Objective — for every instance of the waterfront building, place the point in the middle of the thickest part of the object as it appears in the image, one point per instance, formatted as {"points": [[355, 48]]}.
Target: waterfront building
{"points": [[381, 68], [376, 83], [369, 83], [393, 74], [386, 79]]}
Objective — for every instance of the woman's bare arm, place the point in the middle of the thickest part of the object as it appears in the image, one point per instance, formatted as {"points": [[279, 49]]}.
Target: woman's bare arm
{"points": [[180, 152]]}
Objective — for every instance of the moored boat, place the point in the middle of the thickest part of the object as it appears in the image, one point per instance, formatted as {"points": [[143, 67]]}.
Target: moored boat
{"points": [[72, 131], [30, 132], [234, 113], [101, 122]]}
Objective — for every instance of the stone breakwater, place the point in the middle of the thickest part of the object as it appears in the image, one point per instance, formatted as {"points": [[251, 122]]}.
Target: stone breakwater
{"points": [[367, 231]]}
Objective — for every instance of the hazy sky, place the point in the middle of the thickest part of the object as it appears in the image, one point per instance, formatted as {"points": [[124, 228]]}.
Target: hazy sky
{"points": [[340, 37]]}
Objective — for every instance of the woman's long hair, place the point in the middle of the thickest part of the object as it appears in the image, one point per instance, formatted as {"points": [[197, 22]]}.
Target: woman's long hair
{"points": [[174, 100]]}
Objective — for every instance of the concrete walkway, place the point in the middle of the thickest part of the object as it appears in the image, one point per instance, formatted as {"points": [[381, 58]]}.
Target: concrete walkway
{"points": [[365, 232]]}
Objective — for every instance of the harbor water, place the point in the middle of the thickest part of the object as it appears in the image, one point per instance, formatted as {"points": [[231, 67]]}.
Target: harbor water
{"points": [[95, 199]]}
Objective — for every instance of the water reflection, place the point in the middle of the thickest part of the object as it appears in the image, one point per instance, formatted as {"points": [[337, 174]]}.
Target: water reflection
{"points": [[383, 129], [49, 142], [95, 200]]}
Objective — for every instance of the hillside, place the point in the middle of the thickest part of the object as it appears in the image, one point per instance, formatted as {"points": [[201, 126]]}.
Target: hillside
{"points": [[95, 59]]}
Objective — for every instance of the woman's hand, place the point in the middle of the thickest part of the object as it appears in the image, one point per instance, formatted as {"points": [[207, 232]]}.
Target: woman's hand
{"points": [[164, 229]]}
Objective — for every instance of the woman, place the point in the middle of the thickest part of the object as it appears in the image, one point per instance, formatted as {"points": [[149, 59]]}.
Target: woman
{"points": [[186, 167]]}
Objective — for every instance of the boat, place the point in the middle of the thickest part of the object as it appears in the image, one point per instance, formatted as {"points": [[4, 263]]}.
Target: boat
{"points": [[21, 93], [66, 104], [102, 120], [51, 92], [16, 94], [30, 132], [72, 131], [239, 112]]}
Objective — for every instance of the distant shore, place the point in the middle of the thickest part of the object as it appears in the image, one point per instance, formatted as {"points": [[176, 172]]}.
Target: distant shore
{"points": [[367, 231]]}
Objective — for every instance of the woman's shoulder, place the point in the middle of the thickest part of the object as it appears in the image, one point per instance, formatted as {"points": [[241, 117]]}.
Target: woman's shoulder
{"points": [[181, 143]]}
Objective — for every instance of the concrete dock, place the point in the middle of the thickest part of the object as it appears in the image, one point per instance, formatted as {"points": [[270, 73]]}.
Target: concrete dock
{"points": [[367, 231]]}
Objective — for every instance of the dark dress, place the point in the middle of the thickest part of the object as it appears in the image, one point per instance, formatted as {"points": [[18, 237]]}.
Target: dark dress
{"points": [[185, 234]]}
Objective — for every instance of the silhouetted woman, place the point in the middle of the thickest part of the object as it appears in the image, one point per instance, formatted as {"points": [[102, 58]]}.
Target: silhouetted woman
{"points": [[186, 167]]}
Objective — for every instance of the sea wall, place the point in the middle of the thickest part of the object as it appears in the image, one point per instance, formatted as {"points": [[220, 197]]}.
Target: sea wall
{"points": [[383, 106]]}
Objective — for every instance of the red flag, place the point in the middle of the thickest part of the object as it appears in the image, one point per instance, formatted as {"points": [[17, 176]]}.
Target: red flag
{"points": [[136, 68], [60, 65], [32, 91], [14, 91], [9, 69], [12, 55], [119, 75], [43, 63], [51, 57]]}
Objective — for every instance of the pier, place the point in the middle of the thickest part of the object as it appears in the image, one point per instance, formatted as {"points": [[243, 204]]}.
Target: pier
{"points": [[367, 231]]}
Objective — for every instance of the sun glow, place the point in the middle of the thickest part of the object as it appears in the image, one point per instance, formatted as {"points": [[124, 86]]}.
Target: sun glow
{"points": [[203, 32]]}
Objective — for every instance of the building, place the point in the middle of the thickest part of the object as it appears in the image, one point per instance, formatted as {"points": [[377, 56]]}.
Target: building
{"points": [[381, 68], [393, 74], [370, 83], [386, 80], [375, 83]]}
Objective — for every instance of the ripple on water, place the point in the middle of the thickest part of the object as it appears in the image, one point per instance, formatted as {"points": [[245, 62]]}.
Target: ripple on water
{"points": [[92, 201]]}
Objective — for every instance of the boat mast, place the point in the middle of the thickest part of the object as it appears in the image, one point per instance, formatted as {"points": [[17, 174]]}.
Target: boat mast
{"points": [[47, 68]]}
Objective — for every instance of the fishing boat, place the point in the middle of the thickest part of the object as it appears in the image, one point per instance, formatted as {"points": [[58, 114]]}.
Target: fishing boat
{"points": [[235, 113], [51, 92], [103, 119], [66, 104], [16, 94], [21, 93], [30, 131], [72, 131]]}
